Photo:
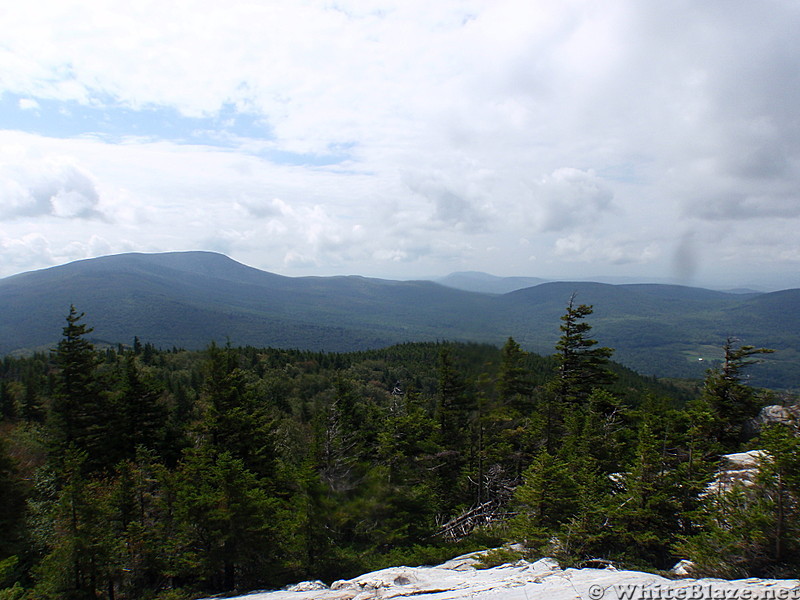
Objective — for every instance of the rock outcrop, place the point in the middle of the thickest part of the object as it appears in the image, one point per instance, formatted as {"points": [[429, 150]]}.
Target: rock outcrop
{"points": [[772, 415], [739, 469], [458, 579]]}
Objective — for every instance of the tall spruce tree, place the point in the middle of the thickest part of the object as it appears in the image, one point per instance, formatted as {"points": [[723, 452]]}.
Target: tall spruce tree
{"points": [[514, 383], [140, 417], [582, 366], [752, 530], [729, 398], [454, 404], [12, 508], [229, 520], [547, 498], [75, 415], [82, 550], [234, 419], [8, 409]]}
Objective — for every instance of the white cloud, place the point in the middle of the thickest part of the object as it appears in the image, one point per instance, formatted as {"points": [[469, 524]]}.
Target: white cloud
{"points": [[568, 198], [24, 252], [578, 247], [28, 104], [51, 187], [598, 132]]}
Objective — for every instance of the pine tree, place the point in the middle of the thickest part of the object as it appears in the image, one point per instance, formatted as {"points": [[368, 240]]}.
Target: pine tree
{"points": [[8, 408], [75, 418], [580, 369], [32, 409], [229, 521], [83, 552], [234, 419], [547, 498], [728, 397], [455, 415], [753, 531], [12, 507], [454, 405], [581, 366], [140, 417], [514, 385], [646, 519], [155, 547]]}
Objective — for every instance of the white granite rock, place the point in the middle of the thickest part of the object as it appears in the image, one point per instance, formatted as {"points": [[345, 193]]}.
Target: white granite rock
{"points": [[683, 568], [540, 580], [739, 468], [307, 586]]}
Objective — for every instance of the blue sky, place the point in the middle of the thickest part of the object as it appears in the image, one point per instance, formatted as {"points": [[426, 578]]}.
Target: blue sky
{"points": [[568, 140], [114, 124]]}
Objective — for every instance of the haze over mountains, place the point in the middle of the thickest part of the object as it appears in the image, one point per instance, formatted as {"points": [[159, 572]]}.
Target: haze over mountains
{"points": [[188, 299], [475, 281]]}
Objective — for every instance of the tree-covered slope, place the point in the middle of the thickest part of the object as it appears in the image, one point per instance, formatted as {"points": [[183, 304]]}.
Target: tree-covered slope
{"points": [[187, 299], [137, 473]]}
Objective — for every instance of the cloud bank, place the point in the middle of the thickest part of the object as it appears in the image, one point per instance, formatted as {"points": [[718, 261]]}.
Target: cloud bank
{"points": [[407, 139]]}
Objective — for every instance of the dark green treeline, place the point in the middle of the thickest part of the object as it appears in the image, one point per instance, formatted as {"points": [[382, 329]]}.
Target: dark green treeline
{"points": [[135, 472]]}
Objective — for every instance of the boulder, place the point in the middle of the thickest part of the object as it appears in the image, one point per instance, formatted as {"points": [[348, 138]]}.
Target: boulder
{"points": [[307, 586], [739, 469], [683, 568], [771, 415]]}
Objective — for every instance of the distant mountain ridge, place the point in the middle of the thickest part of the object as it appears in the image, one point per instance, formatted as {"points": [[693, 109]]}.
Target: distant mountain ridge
{"points": [[476, 281], [188, 299]]}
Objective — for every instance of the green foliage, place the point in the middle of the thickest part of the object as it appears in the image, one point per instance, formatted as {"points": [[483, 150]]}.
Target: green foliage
{"points": [[188, 299], [754, 531], [582, 367], [730, 400], [514, 385], [12, 509], [75, 420], [499, 556], [179, 474], [227, 520], [547, 498], [15, 592], [140, 416], [83, 553]]}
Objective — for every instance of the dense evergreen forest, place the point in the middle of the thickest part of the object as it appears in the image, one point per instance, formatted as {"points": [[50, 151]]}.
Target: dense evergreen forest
{"points": [[137, 472]]}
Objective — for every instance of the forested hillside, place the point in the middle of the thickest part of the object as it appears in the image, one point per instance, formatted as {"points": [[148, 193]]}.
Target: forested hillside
{"points": [[188, 299], [136, 472]]}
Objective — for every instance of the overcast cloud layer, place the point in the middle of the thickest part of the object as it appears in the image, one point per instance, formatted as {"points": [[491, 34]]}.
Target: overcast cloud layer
{"points": [[405, 138]]}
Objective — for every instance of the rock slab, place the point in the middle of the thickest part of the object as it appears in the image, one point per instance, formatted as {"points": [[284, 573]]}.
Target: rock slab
{"points": [[458, 579]]}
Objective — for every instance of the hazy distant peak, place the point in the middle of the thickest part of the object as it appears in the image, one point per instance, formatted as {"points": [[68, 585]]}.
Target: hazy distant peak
{"points": [[477, 281]]}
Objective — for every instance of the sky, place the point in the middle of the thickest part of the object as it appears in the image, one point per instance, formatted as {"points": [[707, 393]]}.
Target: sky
{"points": [[564, 139]]}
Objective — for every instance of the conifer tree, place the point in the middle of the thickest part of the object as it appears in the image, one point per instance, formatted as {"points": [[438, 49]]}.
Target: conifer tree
{"points": [[8, 409], [32, 409], [547, 498], [647, 514], [82, 561], [76, 418], [454, 405], [234, 420], [140, 416], [229, 521], [12, 507], [513, 384], [455, 415], [752, 531], [580, 369], [730, 400], [581, 366]]}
